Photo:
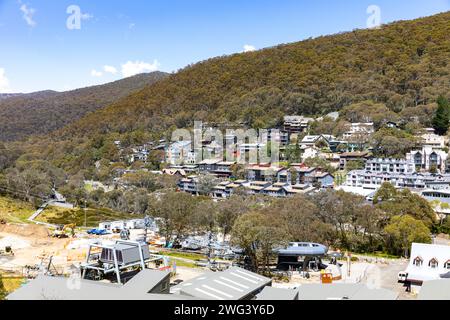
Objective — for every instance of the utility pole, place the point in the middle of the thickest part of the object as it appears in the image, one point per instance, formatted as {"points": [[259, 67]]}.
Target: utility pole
{"points": [[85, 213], [209, 248], [349, 263], [147, 223]]}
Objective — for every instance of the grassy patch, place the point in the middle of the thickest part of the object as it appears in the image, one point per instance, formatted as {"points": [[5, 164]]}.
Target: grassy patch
{"points": [[184, 255], [183, 259], [11, 284], [182, 263], [94, 216], [381, 255], [15, 211]]}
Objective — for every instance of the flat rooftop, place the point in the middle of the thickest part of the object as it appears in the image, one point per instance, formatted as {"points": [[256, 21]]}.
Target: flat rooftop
{"points": [[60, 288], [232, 284]]}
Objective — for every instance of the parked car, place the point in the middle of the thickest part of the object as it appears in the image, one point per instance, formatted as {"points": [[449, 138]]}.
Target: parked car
{"points": [[98, 232]]}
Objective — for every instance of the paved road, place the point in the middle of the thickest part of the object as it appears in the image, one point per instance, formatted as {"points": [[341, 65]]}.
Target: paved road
{"points": [[385, 276]]}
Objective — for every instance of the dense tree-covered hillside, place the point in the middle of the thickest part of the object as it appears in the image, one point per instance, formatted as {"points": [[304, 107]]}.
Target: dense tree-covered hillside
{"points": [[403, 65], [43, 112], [402, 68]]}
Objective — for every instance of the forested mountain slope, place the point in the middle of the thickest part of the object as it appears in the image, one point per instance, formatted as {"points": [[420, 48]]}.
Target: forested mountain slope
{"points": [[43, 112], [403, 65]]}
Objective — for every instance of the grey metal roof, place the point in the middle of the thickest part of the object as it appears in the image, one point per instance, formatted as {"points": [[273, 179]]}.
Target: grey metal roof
{"points": [[270, 293], [232, 284], [59, 288], [146, 280], [435, 290], [123, 246], [341, 291], [304, 249]]}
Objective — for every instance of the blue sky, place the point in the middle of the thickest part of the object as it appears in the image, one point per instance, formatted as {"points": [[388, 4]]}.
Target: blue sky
{"points": [[38, 51]]}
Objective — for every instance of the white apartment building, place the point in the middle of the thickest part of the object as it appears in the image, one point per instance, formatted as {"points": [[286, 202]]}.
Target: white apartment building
{"points": [[180, 153], [389, 165], [296, 124], [428, 158]]}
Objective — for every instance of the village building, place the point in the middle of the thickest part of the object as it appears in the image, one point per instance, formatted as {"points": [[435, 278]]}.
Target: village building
{"points": [[139, 154], [180, 153], [347, 157], [146, 285], [427, 262], [277, 190], [296, 124], [216, 167], [299, 189], [324, 180], [359, 131], [179, 173], [189, 185], [323, 141], [230, 139], [248, 150], [429, 159], [303, 173], [392, 125], [300, 174], [276, 136], [301, 256], [442, 195], [373, 180], [390, 165], [256, 187], [225, 189], [231, 284], [263, 172], [187, 169]]}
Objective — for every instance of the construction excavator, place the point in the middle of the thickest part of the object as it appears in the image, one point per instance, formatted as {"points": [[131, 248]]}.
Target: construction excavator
{"points": [[61, 231]]}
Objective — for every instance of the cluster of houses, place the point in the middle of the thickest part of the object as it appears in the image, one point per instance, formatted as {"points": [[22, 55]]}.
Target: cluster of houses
{"points": [[260, 179], [295, 130], [400, 173], [140, 153], [431, 154], [424, 170]]}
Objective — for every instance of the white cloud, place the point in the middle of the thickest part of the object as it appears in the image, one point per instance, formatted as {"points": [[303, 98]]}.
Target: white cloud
{"points": [[110, 69], [131, 26], [4, 82], [28, 13], [96, 74], [132, 68], [249, 48]]}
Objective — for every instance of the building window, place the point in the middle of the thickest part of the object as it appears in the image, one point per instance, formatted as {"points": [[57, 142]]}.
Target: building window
{"points": [[418, 262], [447, 265], [433, 264]]}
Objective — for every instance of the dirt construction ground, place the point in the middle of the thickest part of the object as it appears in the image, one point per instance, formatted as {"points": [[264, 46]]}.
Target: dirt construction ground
{"points": [[30, 243]]}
